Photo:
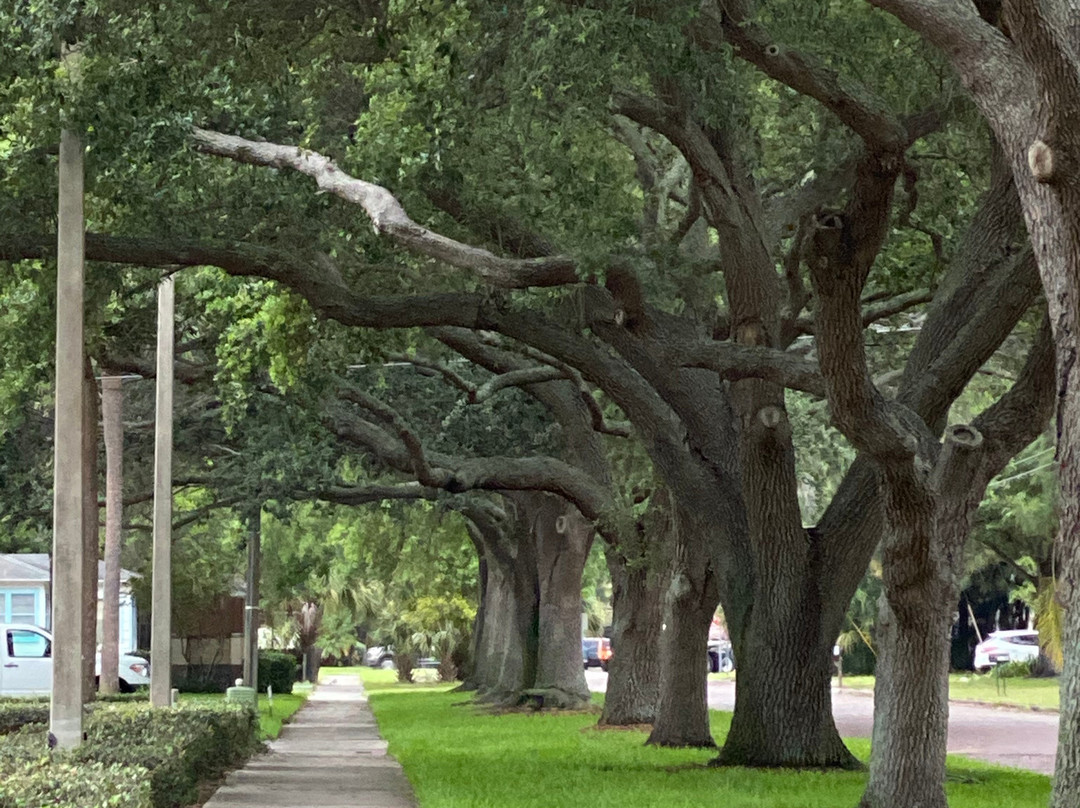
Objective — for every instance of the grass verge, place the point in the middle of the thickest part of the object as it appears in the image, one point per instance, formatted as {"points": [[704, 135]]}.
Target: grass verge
{"points": [[457, 756], [271, 716], [987, 688], [421, 676]]}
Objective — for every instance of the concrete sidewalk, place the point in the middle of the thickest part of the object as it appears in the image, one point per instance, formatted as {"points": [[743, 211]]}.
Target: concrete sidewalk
{"points": [[329, 756]]}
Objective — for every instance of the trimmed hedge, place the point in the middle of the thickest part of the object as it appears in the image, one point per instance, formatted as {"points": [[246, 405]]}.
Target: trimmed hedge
{"points": [[42, 781], [133, 757], [16, 714], [278, 670], [178, 746]]}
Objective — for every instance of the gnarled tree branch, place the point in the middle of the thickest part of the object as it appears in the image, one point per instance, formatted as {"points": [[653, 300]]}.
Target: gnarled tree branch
{"points": [[387, 215]]}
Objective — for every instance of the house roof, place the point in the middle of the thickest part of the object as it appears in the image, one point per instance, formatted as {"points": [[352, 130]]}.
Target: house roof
{"points": [[35, 567], [24, 567]]}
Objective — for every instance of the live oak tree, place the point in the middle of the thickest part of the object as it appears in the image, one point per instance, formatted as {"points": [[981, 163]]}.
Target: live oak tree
{"points": [[685, 309], [1019, 61], [696, 587]]}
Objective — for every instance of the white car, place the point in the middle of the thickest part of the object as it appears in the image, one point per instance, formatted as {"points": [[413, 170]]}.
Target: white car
{"points": [[26, 663], [1016, 645]]}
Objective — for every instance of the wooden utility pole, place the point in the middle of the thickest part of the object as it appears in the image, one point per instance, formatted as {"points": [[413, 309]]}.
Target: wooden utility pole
{"points": [[65, 713], [112, 414], [161, 581], [251, 601]]}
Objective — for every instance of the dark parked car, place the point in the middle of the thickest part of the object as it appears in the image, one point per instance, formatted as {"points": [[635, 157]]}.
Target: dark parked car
{"points": [[596, 652]]}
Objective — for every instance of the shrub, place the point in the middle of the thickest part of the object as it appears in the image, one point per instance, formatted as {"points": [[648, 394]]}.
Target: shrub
{"points": [[42, 781], [171, 750], [178, 747], [16, 714], [1015, 670], [28, 743], [278, 670]]}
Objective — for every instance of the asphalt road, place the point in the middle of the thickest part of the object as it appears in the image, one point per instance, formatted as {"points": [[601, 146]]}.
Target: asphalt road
{"points": [[1020, 738]]}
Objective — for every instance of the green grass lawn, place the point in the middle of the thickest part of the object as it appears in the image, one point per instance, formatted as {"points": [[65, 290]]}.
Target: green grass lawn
{"points": [[986, 687], [271, 717], [457, 756], [422, 676]]}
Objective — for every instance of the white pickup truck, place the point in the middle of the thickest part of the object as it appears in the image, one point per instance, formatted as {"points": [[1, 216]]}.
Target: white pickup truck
{"points": [[26, 663]]}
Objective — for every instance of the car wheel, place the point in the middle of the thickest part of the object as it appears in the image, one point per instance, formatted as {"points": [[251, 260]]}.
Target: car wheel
{"points": [[727, 664], [387, 664], [125, 687], [713, 665], [604, 666]]}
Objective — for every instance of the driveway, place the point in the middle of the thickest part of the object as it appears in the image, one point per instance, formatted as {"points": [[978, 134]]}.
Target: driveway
{"points": [[1020, 738]]}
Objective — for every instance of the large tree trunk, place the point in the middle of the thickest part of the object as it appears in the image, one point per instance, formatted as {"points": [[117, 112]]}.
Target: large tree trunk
{"points": [[922, 560], [922, 556], [506, 656], [563, 539], [507, 648], [468, 669], [112, 406], [911, 709], [1067, 337], [783, 712], [690, 600], [634, 671], [1026, 86]]}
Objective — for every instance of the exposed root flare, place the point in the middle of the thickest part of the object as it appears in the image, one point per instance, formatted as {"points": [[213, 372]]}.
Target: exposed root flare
{"points": [[552, 698]]}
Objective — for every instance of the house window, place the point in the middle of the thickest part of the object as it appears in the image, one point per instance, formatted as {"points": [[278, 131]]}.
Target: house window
{"points": [[19, 606]]}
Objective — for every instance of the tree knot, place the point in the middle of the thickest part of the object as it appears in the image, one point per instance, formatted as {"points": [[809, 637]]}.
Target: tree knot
{"points": [[1042, 162]]}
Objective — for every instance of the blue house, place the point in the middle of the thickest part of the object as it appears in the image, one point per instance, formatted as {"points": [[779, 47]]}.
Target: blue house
{"points": [[26, 594]]}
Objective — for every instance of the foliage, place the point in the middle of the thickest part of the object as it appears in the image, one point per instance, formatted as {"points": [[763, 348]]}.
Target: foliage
{"points": [[856, 641], [1017, 669], [17, 713], [41, 781], [277, 670], [168, 751], [179, 747], [1050, 621], [272, 716], [445, 624], [343, 558]]}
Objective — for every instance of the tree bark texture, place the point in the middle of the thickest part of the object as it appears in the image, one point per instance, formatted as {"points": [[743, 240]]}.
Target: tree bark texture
{"points": [[634, 671], [783, 712], [506, 654], [689, 602], [468, 669], [562, 539], [911, 712], [112, 407]]}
